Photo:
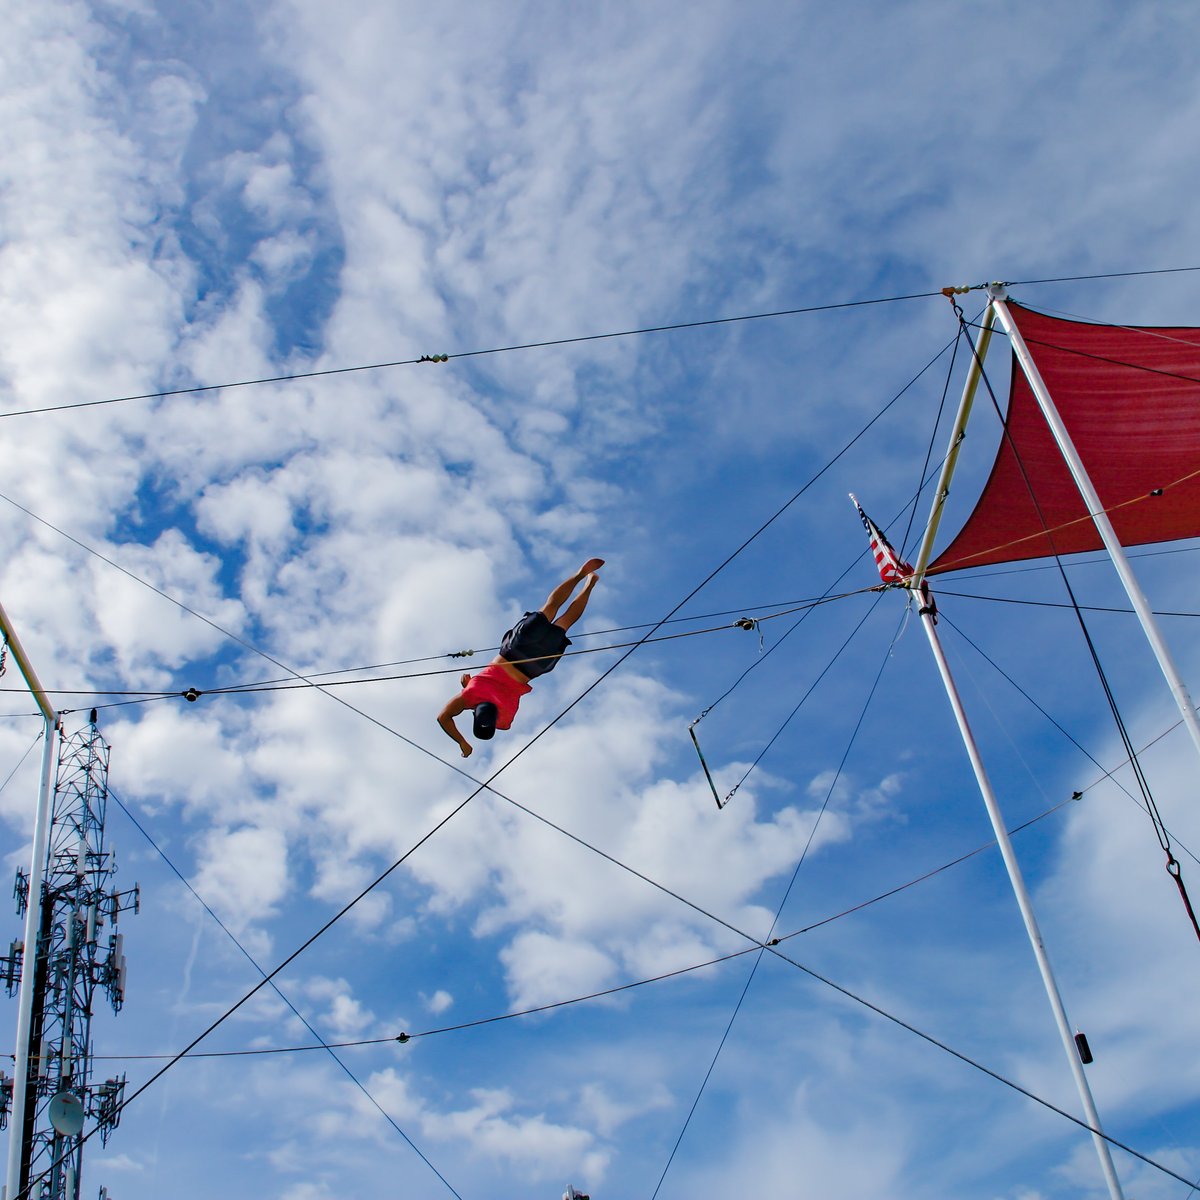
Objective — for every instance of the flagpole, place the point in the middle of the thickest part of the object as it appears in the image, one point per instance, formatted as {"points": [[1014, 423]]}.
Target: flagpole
{"points": [[1099, 517]]}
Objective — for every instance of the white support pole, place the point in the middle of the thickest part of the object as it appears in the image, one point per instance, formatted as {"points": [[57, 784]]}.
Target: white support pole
{"points": [[33, 920], [33, 908], [1025, 905], [1099, 517]]}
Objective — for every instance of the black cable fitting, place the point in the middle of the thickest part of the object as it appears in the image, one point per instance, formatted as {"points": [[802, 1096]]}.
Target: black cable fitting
{"points": [[1085, 1051], [437, 358], [745, 622], [1076, 795], [402, 1038], [191, 695], [1157, 492]]}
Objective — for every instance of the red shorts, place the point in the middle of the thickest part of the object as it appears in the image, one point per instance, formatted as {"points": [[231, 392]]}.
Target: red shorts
{"points": [[496, 685]]}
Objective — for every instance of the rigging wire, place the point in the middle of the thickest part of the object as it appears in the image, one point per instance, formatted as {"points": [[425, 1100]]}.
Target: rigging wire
{"points": [[276, 989], [405, 1036], [290, 684], [812, 833], [812, 687], [21, 761], [1108, 275], [1066, 733], [1100, 608], [1101, 358], [566, 341], [406, 362], [1172, 863], [1081, 561], [826, 596], [924, 475], [979, 1066]]}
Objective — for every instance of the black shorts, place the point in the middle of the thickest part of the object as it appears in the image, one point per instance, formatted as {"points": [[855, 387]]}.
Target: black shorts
{"points": [[533, 645]]}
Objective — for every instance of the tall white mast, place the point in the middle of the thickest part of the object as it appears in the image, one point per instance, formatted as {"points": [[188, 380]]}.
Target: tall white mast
{"points": [[37, 870], [1096, 511], [991, 803]]}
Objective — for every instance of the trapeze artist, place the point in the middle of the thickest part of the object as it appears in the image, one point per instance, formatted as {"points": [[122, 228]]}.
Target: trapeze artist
{"points": [[530, 648]]}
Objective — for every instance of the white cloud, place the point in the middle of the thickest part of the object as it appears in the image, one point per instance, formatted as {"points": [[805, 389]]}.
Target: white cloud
{"points": [[439, 1002], [243, 873]]}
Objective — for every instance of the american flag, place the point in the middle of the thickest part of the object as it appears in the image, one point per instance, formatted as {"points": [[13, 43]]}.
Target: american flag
{"points": [[891, 567]]}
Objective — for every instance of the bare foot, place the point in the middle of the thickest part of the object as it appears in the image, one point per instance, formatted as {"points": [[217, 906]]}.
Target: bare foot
{"points": [[592, 565]]}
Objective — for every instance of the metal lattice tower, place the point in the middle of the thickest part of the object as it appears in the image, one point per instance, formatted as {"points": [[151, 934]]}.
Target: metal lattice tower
{"points": [[80, 954]]}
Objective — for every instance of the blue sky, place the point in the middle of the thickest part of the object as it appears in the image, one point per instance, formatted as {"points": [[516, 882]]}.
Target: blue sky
{"points": [[195, 195]]}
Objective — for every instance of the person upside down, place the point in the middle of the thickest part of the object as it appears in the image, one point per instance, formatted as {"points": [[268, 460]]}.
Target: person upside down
{"points": [[530, 648]]}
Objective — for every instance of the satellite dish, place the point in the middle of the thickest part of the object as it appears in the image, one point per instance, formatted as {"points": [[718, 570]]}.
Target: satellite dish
{"points": [[66, 1113]]}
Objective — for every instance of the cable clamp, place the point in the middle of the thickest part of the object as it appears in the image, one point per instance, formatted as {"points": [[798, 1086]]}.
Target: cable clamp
{"points": [[436, 358], [460, 653], [748, 624], [192, 695]]}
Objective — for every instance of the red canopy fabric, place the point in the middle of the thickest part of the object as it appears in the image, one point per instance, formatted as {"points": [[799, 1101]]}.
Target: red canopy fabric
{"points": [[1130, 399]]}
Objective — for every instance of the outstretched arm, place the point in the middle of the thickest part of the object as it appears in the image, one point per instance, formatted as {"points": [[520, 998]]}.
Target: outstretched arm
{"points": [[446, 720]]}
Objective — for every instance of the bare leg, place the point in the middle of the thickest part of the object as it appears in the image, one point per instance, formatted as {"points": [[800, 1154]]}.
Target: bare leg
{"points": [[559, 596], [576, 607]]}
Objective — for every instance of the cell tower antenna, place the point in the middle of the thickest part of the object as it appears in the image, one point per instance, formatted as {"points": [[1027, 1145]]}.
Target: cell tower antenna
{"points": [[78, 955]]}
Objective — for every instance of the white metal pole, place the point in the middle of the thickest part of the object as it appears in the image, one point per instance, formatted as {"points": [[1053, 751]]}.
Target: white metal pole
{"points": [[1025, 905], [33, 920], [1099, 517], [33, 908]]}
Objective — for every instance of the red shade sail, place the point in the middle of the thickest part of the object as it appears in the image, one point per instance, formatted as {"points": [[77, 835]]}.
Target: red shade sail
{"points": [[1130, 399]]}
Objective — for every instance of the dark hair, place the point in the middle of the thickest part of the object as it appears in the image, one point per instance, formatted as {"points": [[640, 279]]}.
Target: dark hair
{"points": [[485, 720]]}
